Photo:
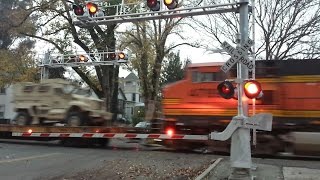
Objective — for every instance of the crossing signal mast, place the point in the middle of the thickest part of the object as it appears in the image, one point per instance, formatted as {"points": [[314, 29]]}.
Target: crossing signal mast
{"points": [[239, 127], [94, 13], [83, 59]]}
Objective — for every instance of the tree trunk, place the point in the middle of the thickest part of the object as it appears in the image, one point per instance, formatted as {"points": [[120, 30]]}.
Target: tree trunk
{"points": [[115, 90]]}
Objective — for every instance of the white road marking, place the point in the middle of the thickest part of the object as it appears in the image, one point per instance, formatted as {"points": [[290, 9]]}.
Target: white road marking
{"points": [[28, 158]]}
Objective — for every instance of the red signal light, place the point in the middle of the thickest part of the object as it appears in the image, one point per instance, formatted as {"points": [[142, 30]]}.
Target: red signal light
{"points": [[78, 10], [226, 90], [112, 56], [252, 89], [170, 132], [171, 4], [83, 58], [154, 5], [92, 8]]}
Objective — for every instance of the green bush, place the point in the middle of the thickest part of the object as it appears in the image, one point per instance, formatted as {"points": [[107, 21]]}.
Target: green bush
{"points": [[136, 120]]}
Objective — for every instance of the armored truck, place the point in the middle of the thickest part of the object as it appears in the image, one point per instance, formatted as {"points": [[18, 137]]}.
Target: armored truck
{"points": [[57, 101]]}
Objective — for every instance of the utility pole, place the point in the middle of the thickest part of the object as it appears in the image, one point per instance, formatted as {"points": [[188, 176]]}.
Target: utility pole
{"points": [[240, 155]]}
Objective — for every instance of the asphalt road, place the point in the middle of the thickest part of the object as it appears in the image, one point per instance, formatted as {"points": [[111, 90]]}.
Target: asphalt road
{"points": [[21, 160], [41, 161], [32, 160]]}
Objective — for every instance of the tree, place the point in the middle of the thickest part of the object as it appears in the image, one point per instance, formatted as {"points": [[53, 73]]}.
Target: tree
{"points": [[17, 62], [148, 42], [173, 70], [55, 26], [17, 65], [285, 28]]}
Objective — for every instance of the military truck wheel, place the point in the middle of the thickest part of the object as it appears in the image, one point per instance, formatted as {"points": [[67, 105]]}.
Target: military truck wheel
{"points": [[22, 119], [75, 119]]}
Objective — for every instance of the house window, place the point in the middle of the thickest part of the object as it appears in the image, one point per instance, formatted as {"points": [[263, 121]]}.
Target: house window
{"points": [[134, 97], [1, 111], [128, 83], [2, 90], [121, 105]]}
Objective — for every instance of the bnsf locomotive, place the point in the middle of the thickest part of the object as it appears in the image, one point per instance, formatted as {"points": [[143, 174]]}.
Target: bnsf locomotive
{"points": [[291, 92]]}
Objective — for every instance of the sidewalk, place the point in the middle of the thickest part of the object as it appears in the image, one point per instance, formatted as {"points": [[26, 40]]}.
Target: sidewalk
{"points": [[266, 172]]}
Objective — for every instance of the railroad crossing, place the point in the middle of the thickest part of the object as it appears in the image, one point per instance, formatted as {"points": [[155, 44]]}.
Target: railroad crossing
{"points": [[237, 55]]}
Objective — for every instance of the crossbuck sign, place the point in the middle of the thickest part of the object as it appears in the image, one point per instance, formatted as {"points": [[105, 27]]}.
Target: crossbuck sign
{"points": [[237, 55]]}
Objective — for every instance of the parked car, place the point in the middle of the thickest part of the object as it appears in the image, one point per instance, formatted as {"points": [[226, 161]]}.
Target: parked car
{"points": [[143, 124]]}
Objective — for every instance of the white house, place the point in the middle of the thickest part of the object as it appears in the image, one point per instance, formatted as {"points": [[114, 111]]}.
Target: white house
{"points": [[131, 88]]}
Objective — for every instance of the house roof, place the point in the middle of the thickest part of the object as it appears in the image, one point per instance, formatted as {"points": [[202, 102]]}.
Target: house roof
{"points": [[131, 76]]}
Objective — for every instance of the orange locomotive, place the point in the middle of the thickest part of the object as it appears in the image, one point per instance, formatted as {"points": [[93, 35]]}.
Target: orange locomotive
{"points": [[291, 92]]}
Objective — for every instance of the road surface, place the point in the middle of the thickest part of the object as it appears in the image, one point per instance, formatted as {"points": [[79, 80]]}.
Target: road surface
{"points": [[38, 161]]}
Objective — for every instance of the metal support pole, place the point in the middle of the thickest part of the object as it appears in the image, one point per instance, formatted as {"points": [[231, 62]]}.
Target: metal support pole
{"points": [[254, 131], [240, 155]]}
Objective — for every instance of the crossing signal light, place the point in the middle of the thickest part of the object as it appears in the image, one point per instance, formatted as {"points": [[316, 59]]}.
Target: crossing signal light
{"points": [[171, 4], [112, 56], [226, 89], [82, 58], [92, 8], [252, 89], [120, 56], [78, 10], [154, 5]]}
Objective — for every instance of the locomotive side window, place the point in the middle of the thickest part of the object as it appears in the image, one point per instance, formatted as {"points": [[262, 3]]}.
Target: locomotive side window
{"points": [[208, 76], [219, 76], [196, 76]]}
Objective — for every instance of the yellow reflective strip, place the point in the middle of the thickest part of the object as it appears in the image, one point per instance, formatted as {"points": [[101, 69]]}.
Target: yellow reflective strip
{"points": [[209, 112], [301, 78], [233, 112], [171, 101]]}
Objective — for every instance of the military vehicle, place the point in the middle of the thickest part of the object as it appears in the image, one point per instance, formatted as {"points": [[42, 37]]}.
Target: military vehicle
{"points": [[57, 101]]}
